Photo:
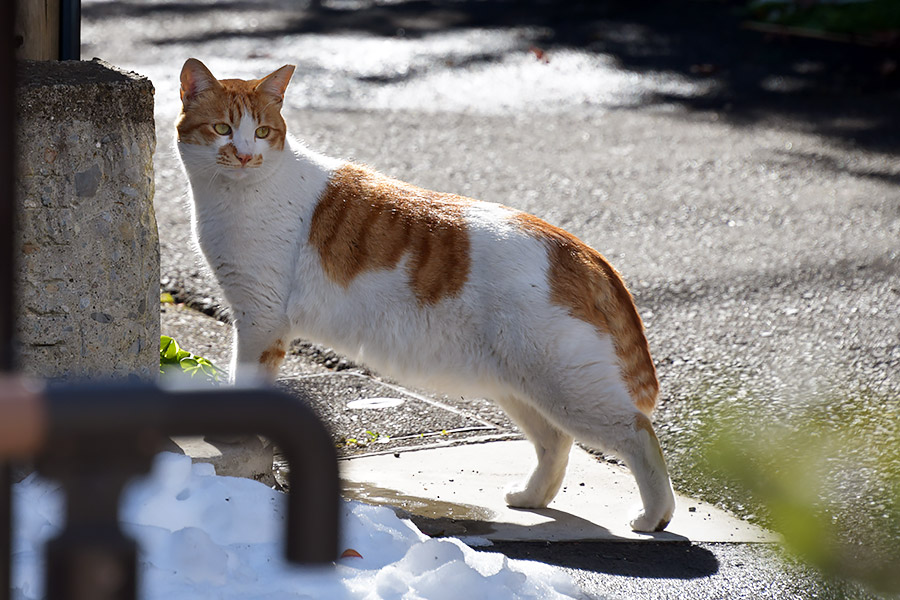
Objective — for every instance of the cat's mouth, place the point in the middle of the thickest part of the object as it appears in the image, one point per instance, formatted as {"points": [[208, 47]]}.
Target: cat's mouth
{"points": [[237, 164], [238, 170]]}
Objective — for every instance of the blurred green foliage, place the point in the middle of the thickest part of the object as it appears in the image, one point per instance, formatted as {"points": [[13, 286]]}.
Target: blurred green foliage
{"points": [[834, 511], [859, 17], [175, 361]]}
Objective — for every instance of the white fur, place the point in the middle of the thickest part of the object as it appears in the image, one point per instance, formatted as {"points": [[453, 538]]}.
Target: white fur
{"points": [[501, 337]]}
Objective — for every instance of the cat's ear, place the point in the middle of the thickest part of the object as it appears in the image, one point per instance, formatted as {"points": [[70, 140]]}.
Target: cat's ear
{"points": [[195, 78], [275, 83]]}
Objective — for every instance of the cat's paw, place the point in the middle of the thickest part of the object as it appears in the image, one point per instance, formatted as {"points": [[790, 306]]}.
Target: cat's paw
{"points": [[525, 498], [650, 522]]}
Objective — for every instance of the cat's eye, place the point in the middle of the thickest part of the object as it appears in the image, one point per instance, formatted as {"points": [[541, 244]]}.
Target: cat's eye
{"points": [[222, 128], [262, 132]]}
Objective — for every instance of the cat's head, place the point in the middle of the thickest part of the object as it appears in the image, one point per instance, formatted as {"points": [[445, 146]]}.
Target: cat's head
{"points": [[231, 127]]}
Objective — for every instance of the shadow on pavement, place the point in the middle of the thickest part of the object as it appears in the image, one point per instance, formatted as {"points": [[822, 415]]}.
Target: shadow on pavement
{"points": [[842, 90], [824, 277], [639, 559], [141, 8]]}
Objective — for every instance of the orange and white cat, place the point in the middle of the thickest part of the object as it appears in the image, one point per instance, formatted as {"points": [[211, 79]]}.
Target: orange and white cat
{"points": [[437, 290]]}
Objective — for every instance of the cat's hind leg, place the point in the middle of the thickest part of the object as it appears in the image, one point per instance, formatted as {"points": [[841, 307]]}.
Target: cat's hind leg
{"points": [[551, 445], [628, 434], [648, 465]]}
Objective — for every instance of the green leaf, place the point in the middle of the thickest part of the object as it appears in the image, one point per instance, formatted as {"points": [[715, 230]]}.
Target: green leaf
{"points": [[174, 360], [168, 349]]}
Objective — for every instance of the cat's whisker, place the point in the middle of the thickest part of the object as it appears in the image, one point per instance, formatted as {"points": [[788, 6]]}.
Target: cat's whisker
{"points": [[212, 173]]}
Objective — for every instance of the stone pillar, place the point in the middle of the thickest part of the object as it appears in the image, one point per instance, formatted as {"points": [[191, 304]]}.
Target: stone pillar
{"points": [[88, 287]]}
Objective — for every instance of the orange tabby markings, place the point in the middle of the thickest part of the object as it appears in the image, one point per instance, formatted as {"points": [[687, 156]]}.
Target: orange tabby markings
{"points": [[585, 283], [214, 101], [366, 221], [272, 357]]}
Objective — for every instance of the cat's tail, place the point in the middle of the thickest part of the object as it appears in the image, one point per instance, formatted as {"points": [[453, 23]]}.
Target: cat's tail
{"points": [[627, 332]]}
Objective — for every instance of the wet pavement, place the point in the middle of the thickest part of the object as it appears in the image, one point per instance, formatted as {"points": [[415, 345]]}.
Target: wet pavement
{"points": [[746, 187]]}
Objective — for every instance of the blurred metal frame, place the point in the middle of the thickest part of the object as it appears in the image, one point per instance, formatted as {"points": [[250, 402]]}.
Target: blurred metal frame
{"points": [[69, 29], [98, 437]]}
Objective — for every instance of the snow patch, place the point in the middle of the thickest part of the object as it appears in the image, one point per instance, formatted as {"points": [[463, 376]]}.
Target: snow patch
{"points": [[205, 536]]}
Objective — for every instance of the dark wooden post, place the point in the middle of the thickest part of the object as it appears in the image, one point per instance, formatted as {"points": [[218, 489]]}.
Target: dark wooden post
{"points": [[48, 29], [7, 172], [37, 29], [7, 270]]}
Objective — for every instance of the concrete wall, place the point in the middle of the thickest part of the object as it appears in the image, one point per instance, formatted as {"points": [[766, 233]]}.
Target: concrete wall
{"points": [[87, 238]]}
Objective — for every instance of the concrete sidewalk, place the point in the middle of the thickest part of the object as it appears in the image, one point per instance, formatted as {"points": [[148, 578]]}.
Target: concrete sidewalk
{"points": [[459, 491]]}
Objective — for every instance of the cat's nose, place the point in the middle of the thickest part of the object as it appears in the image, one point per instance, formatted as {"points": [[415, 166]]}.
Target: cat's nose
{"points": [[244, 158]]}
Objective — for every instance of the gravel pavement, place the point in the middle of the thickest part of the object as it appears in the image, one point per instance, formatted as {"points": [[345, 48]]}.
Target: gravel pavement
{"points": [[747, 188]]}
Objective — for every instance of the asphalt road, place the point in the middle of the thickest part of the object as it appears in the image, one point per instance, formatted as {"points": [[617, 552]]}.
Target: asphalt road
{"points": [[746, 187]]}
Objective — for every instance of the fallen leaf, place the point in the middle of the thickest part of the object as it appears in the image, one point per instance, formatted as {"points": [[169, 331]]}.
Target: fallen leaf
{"points": [[350, 553], [539, 54]]}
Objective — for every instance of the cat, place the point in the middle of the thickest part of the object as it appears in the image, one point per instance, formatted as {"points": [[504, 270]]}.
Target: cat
{"points": [[434, 289]]}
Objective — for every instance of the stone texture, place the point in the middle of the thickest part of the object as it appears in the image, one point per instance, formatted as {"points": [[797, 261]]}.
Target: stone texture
{"points": [[241, 456], [87, 238]]}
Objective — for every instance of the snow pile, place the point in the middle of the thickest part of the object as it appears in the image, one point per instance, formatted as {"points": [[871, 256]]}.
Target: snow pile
{"points": [[205, 536]]}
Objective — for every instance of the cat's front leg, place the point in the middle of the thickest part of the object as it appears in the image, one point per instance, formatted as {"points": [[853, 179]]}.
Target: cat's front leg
{"points": [[258, 351]]}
